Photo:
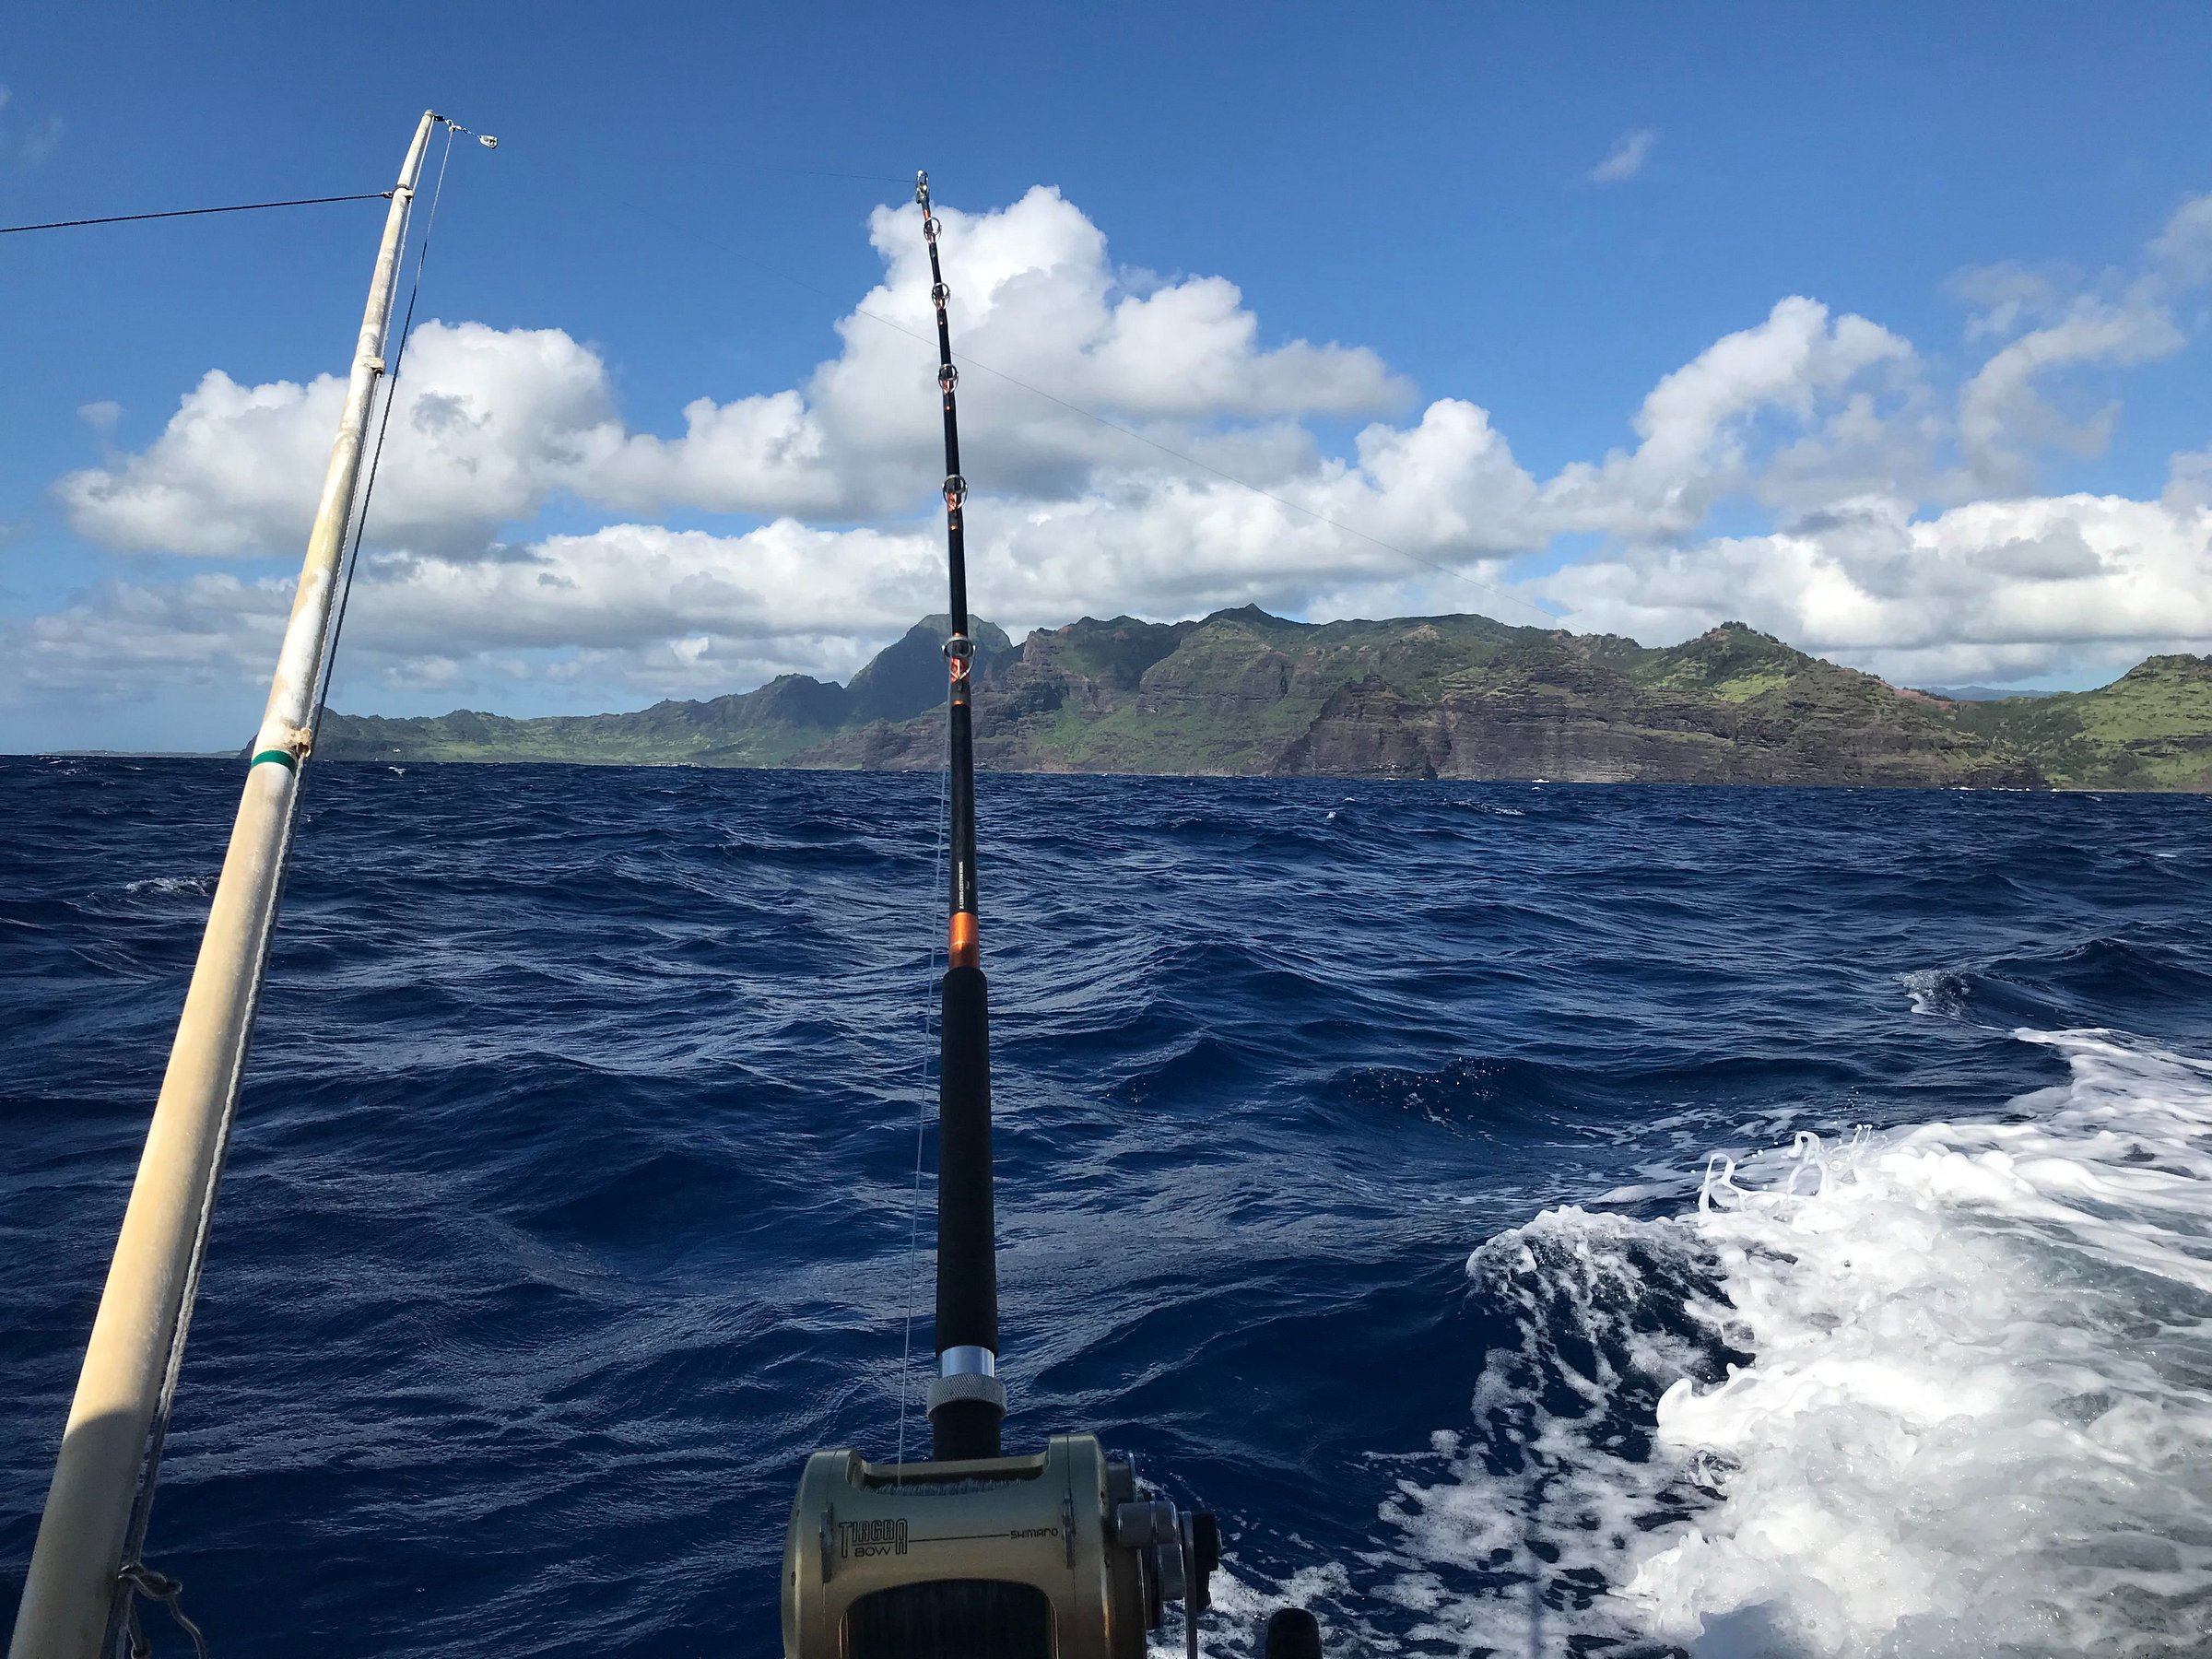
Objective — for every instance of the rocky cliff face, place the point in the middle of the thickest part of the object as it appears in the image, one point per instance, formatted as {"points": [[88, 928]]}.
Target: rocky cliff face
{"points": [[1435, 697], [1448, 697]]}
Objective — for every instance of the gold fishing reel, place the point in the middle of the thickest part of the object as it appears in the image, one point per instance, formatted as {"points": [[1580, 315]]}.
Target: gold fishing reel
{"points": [[1052, 1556]]}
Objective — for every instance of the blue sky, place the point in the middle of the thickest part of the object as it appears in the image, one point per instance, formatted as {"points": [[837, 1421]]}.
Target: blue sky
{"points": [[1412, 185]]}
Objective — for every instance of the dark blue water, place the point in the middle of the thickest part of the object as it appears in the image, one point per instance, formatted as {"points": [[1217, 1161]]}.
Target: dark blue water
{"points": [[571, 1194]]}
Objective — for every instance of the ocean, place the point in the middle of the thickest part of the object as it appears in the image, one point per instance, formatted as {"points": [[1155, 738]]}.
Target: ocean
{"points": [[1539, 1220]]}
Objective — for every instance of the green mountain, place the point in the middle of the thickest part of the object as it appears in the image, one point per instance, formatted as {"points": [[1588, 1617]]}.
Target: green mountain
{"points": [[2149, 729], [1244, 692], [1460, 697]]}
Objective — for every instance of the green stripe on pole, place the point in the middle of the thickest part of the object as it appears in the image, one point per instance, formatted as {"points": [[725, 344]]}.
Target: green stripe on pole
{"points": [[283, 757]]}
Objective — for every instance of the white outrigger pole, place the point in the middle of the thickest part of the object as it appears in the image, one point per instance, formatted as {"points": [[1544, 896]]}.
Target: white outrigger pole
{"points": [[100, 1480]]}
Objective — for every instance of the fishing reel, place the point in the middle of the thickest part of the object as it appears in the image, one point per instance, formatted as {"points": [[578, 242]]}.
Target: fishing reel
{"points": [[1063, 1555]]}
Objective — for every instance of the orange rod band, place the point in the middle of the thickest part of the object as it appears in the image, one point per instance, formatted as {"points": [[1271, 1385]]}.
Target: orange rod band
{"points": [[962, 946]]}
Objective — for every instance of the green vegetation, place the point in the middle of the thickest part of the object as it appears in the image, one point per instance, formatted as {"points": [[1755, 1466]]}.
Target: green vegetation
{"points": [[1246, 692], [2149, 729]]}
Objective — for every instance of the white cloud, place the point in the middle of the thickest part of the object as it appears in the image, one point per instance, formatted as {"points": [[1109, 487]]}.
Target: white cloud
{"points": [[2182, 252], [2002, 415], [658, 609], [1626, 157], [1698, 424], [2005, 418], [2006, 589], [1833, 428], [1035, 298], [487, 423]]}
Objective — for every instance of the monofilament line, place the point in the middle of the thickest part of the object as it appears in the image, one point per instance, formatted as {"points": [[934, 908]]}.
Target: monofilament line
{"points": [[914, 1214]]}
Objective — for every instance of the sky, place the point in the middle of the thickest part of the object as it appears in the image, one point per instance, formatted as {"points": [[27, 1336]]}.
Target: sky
{"points": [[1881, 328]]}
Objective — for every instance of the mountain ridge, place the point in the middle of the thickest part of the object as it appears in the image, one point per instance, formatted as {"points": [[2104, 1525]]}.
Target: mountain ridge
{"points": [[1243, 692]]}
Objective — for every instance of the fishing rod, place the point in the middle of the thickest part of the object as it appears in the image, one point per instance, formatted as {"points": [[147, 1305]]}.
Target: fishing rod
{"points": [[967, 1403], [85, 1571], [1060, 1554]]}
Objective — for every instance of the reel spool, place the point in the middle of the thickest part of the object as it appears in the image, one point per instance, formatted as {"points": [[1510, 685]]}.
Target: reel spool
{"points": [[1052, 1556]]}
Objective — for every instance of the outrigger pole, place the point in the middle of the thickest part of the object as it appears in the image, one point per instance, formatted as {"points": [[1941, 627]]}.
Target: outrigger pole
{"points": [[967, 1402], [97, 1507]]}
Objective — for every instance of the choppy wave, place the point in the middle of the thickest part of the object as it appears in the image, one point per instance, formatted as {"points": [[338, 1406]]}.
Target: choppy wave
{"points": [[1942, 1390], [571, 1200]]}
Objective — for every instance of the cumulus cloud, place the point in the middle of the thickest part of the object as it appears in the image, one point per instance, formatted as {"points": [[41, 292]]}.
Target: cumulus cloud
{"points": [[2119, 320], [2004, 589], [1873, 470], [1626, 157], [488, 424], [657, 609], [2002, 415], [1699, 423]]}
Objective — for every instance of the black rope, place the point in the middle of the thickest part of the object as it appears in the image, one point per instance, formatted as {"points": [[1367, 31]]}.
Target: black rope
{"points": [[138, 1579], [131, 219]]}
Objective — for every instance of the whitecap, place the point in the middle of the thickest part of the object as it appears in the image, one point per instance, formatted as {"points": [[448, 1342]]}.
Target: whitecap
{"points": [[170, 886], [1939, 993], [1969, 1410]]}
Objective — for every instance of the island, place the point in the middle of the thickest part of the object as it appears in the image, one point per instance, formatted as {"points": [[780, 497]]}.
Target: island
{"points": [[1245, 693]]}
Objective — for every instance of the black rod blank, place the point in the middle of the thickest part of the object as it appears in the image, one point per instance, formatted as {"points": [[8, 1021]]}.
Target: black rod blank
{"points": [[965, 1426]]}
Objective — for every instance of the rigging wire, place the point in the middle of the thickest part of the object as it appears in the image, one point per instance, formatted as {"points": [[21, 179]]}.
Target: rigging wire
{"points": [[132, 219]]}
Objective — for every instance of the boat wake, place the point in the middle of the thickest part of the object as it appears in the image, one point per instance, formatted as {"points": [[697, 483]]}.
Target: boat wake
{"points": [[1943, 1390]]}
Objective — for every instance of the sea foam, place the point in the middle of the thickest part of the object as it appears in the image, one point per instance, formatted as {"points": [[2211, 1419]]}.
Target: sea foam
{"points": [[1968, 1409]]}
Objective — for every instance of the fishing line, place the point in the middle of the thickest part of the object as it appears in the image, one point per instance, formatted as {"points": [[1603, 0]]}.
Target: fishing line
{"points": [[913, 1213], [130, 218]]}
